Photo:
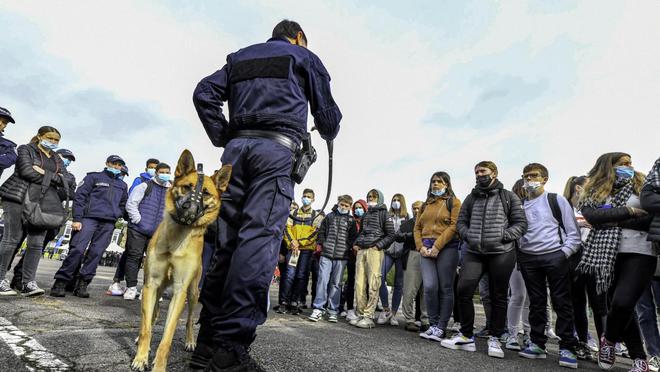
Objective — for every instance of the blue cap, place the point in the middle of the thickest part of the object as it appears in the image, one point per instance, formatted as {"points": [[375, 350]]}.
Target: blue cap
{"points": [[66, 154], [5, 113], [115, 159]]}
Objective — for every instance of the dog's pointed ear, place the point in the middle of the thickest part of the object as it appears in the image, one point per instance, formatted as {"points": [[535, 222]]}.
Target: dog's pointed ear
{"points": [[185, 165], [221, 178]]}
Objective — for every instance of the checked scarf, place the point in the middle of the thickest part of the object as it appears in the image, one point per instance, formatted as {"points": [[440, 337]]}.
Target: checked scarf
{"points": [[653, 178], [602, 244]]}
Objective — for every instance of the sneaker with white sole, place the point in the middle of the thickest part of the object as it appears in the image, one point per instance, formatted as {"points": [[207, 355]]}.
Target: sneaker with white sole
{"points": [[654, 364], [567, 359], [355, 321], [5, 289], [130, 294], [332, 318], [393, 321], [343, 314], [459, 342], [533, 351], [31, 289], [606, 354], [351, 315], [433, 333], [495, 347], [384, 317], [317, 314], [115, 289], [512, 343], [640, 365], [365, 323], [592, 344]]}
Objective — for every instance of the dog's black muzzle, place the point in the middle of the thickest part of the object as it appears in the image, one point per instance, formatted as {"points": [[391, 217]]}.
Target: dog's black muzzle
{"points": [[190, 207]]}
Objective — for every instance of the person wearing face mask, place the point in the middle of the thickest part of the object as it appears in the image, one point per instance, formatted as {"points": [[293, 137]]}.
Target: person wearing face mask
{"points": [[617, 252], [36, 163], [413, 292], [491, 220], [437, 242], [348, 291], [394, 257], [8, 154], [336, 235], [148, 174], [300, 235], [583, 287], [67, 157], [376, 234], [552, 237], [145, 207], [99, 202]]}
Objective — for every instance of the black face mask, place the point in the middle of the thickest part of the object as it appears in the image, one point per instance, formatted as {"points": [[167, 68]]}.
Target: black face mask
{"points": [[484, 181], [190, 207]]}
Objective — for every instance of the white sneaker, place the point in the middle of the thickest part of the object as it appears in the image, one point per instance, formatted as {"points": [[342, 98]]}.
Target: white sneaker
{"points": [[393, 321], [355, 321], [384, 317], [5, 289], [495, 348], [115, 289], [342, 314], [130, 294], [433, 333], [351, 315], [459, 342], [512, 343], [316, 315]]}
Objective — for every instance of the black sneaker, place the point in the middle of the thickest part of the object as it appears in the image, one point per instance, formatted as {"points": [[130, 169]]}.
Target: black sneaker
{"points": [[31, 289]]}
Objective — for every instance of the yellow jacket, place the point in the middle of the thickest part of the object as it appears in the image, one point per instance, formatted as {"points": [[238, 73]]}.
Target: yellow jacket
{"points": [[304, 231]]}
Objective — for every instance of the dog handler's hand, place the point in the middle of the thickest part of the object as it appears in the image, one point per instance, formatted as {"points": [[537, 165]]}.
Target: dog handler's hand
{"points": [[76, 226]]}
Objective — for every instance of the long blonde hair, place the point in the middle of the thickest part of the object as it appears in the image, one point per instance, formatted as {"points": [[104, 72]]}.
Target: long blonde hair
{"points": [[602, 176]]}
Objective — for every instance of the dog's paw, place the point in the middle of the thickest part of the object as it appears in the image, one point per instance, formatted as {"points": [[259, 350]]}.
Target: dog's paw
{"points": [[190, 346], [140, 363]]}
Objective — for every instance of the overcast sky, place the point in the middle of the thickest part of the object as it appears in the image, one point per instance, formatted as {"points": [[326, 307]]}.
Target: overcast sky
{"points": [[423, 86]]}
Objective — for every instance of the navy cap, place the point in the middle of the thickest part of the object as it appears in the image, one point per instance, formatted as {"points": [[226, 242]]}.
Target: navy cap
{"points": [[4, 112], [124, 169], [115, 159], [66, 154]]}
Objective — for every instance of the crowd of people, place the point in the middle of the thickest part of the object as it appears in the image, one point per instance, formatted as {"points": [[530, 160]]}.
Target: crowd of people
{"points": [[595, 245]]}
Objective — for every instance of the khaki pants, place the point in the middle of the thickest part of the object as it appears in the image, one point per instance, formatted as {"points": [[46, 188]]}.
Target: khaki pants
{"points": [[412, 284], [368, 273]]}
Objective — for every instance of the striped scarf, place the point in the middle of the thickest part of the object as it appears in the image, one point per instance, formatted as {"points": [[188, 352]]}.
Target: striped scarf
{"points": [[653, 177]]}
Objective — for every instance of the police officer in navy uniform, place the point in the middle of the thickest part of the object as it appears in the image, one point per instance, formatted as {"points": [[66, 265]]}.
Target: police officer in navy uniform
{"points": [[268, 86], [8, 154], [99, 202]]}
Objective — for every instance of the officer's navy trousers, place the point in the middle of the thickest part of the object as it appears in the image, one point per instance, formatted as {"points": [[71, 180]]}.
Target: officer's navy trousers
{"points": [[97, 235], [252, 219]]}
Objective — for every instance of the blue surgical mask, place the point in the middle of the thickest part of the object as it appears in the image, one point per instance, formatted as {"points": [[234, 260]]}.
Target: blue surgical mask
{"points": [[624, 172], [48, 145], [113, 170], [438, 192], [151, 171], [306, 201], [164, 177], [66, 162], [396, 205], [359, 212]]}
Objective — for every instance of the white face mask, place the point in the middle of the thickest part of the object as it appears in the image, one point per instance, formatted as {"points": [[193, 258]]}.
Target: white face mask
{"points": [[342, 210], [532, 185], [396, 205], [372, 204]]}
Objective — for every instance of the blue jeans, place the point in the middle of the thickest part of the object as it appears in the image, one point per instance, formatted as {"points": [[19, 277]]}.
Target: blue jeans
{"points": [[328, 288], [438, 275], [295, 281], [646, 311], [397, 292]]}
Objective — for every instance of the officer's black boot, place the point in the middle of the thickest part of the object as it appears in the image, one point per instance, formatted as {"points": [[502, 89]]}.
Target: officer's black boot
{"points": [[236, 358], [71, 284], [81, 288], [203, 350], [58, 288]]}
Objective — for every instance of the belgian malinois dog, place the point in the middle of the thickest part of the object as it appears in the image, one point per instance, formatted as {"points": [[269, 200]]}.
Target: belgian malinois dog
{"points": [[174, 255]]}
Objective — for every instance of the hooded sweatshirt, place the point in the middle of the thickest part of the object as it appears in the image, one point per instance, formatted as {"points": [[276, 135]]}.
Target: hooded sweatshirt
{"points": [[365, 207], [377, 229]]}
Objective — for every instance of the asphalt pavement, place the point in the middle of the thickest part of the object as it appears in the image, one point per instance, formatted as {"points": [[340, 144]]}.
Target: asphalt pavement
{"points": [[98, 333]]}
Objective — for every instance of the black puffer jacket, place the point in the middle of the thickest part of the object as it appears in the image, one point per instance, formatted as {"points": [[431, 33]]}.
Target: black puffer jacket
{"points": [[15, 187], [406, 236], [650, 199], [377, 229], [336, 235], [484, 224]]}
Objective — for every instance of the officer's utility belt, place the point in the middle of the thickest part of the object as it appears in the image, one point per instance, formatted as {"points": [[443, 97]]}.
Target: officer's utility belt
{"points": [[304, 157]]}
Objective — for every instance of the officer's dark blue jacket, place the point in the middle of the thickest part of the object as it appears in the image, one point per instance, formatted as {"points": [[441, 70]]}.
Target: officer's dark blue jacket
{"points": [[268, 86], [8, 154], [152, 209], [101, 196]]}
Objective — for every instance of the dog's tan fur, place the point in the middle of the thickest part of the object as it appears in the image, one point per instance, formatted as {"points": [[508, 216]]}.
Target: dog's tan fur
{"points": [[174, 258]]}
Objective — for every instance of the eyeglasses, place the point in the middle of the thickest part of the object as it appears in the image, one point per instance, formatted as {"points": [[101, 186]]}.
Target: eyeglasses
{"points": [[531, 176]]}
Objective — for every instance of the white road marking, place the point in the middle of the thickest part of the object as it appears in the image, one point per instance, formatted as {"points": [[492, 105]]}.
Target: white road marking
{"points": [[37, 357]]}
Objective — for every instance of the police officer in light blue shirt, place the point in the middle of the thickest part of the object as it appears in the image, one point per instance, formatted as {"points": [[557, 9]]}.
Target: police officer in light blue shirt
{"points": [[269, 87]]}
